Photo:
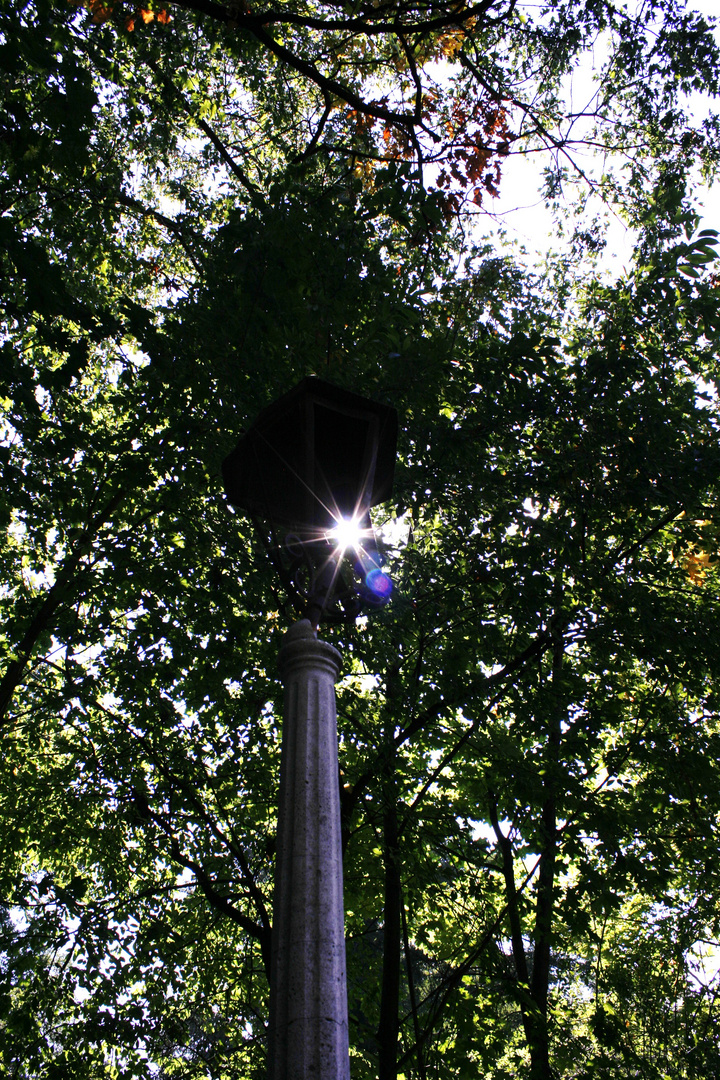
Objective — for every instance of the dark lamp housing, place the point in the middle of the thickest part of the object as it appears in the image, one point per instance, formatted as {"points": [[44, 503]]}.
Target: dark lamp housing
{"points": [[316, 455], [315, 460]]}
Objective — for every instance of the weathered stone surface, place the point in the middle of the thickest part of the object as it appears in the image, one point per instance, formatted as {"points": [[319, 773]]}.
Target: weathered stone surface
{"points": [[308, 998]]}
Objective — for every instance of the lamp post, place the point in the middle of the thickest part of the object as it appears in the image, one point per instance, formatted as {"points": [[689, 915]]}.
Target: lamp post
{"points": [[312, 466]]}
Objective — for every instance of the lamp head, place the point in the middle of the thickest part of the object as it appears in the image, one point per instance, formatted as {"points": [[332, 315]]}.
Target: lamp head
{"points": [[313, 464]]}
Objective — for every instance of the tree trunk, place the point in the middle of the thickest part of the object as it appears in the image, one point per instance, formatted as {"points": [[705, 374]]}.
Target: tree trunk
{"points": [[387, 1032], [540, 1037]]}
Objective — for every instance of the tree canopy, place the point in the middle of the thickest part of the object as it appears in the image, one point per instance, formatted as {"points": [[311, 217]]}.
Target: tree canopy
{"points": [[201, 205]]}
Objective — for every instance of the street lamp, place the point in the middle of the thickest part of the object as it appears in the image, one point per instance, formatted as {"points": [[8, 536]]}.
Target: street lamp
{"points": [[312, 466]]}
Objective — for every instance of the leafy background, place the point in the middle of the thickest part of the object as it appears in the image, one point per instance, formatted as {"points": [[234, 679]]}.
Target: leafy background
{"points": [[201, 205]]}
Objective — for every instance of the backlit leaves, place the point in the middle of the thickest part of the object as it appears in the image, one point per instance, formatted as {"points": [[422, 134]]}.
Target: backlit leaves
{"points": [[192, 221]]}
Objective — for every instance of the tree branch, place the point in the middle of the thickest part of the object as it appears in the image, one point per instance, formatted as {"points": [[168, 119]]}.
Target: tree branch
{"points": [[172, 226], [454, 977], [236, 170], [241, 18], [313, 144], [42, 620], [556, 143], [432, 712]]}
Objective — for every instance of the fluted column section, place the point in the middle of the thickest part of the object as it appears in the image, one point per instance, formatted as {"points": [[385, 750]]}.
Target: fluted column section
{"points": [[308, 991]]}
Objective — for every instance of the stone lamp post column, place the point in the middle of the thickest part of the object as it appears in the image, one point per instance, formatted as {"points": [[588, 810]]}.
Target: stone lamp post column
{"points": [[308, 991], [317, 458]]}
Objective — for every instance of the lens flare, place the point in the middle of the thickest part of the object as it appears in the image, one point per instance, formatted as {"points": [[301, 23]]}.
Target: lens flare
{"points": [[379, 584], [347, 533], [355, 534]]}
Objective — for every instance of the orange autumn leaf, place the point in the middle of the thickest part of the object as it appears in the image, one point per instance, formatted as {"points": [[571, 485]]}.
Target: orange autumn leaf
{"points": [[146, 16], [100, 12], [697, 564], [163, 17]]}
